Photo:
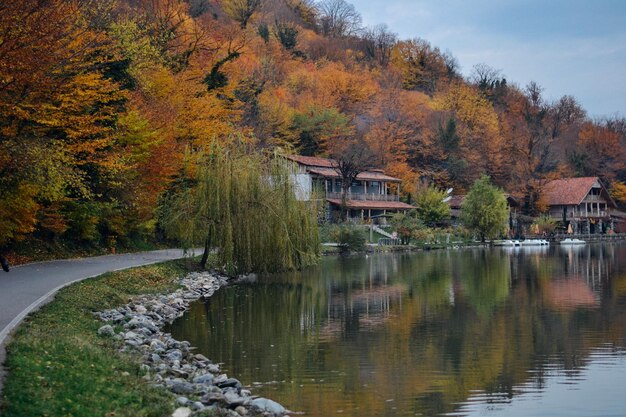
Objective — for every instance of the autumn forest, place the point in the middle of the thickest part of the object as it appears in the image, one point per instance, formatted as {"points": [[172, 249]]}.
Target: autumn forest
{"points": [[102, 101]]}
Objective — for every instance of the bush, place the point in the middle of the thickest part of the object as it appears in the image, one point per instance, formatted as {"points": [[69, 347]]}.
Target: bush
{"points": [[349, 237], [543, 224], [407, 226]]}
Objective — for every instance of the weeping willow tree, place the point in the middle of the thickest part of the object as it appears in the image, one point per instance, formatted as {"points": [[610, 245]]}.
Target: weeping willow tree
{"points": [[243, 206]]}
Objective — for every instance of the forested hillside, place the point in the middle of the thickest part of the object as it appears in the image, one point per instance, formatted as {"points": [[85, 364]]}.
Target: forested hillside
{"points": [[100, 100]]}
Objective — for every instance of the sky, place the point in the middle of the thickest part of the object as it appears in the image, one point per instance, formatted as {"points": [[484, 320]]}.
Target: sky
{"points": [[568, 47]]}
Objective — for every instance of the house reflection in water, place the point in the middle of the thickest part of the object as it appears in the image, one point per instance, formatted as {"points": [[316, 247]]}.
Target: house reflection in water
{"points": [[585, 273], [363, 302]]}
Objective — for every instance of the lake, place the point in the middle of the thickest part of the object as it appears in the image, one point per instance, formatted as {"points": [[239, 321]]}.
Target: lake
{"points": [[470, 332]]}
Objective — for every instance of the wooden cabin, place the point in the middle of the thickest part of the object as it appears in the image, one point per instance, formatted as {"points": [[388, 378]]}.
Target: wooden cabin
{"points": [[584, 203], [373, 196]]}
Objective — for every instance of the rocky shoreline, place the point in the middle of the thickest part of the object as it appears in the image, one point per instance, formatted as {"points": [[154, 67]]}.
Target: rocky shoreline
{"points": [[171, 364]]}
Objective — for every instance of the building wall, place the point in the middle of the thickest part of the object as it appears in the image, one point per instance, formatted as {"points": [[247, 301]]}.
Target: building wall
{"points": [[303, 186]]}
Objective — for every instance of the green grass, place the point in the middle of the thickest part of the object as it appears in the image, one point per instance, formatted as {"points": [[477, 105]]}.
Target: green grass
{"points": [[35, 250], [59, 366]]}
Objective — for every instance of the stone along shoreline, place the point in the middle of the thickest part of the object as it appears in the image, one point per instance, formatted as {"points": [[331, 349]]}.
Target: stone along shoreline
{"points": [[171, 364]]}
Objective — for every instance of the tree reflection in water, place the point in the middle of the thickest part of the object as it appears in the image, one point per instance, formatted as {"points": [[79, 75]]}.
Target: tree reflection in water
{"points": [[415, 334]]}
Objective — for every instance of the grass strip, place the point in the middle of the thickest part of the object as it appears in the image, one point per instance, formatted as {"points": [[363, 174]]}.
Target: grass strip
{"points": [[58, 365]]}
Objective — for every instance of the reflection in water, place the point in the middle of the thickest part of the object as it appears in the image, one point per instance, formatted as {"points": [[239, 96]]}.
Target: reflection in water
{"points": [[446, 332]]}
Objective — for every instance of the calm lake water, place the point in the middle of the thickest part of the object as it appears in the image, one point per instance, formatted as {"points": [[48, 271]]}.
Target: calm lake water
{"points": [[476, 332]]}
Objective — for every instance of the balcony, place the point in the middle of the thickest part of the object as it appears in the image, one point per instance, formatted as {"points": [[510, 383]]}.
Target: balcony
{"points": [[590, 214], [364, 196]]}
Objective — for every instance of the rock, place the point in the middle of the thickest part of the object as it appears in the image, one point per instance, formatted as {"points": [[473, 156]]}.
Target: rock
{"points": [[212, 397], [133, 342], [106, 330], [174, 355], [182, 412], [179, 373], [130, 335], [265, 405], [220, 378], [197, 405], [157, 345], [141, 309], [182, 400], [112, 315], [142, 322], [145, 332], [233, 399], [241, 410], [182, 388], [204, 379], [201, 358], [230, 382]]}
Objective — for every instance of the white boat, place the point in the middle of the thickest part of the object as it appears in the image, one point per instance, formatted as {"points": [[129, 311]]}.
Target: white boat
{"points": [[535, 242], [507, 242], [570, 241]]}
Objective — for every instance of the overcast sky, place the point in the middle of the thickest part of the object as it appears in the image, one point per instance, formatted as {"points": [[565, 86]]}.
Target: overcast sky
{"points": [[574, 47]]}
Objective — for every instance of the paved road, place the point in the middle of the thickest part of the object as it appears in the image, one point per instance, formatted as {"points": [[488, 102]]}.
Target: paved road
{"points": [[27, 287]]}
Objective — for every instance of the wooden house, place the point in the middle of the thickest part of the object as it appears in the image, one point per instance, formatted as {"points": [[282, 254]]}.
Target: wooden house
{"points": [[584, 203], [371, 197]]}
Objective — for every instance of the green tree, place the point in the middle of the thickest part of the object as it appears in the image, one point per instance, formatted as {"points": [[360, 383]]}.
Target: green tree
{"points": [[350, 238], [406, 225], [244, 206], [430, 204], [484, 210]]}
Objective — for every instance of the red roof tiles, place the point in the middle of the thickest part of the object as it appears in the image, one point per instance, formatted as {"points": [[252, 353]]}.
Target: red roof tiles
{"points": [[568, 191], [326, 168], [312, 161]]}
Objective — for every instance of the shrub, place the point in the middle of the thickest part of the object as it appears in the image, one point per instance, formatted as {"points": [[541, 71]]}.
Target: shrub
{"points": [[544, 224], [350, 238]]}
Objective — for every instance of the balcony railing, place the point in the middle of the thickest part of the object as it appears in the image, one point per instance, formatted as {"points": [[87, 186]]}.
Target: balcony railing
{"points": [[364, 196], [581, 215]]}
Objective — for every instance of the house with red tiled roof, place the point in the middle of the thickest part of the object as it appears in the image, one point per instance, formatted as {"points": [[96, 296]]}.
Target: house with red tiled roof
{"points": [[370, 196], [584, 203]]}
